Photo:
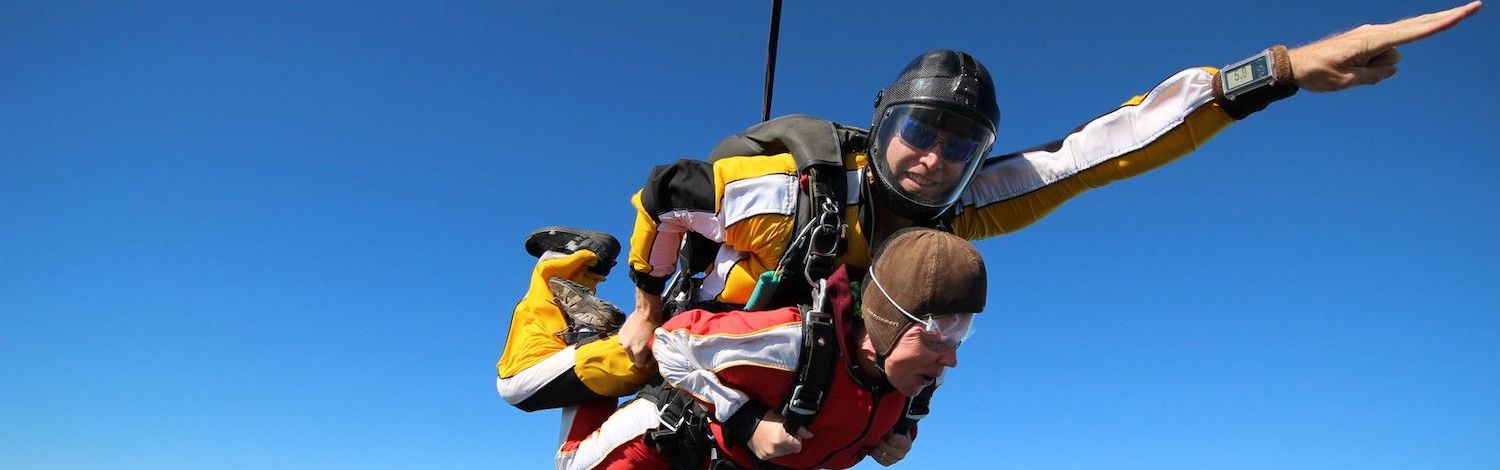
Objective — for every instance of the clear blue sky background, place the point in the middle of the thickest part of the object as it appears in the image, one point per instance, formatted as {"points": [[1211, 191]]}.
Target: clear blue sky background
{"points": [[250, 235]]}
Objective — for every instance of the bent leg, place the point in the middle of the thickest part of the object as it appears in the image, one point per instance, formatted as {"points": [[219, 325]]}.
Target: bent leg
{"points": [[618, 443], [605, 369], [551, 383], [537, 368]]}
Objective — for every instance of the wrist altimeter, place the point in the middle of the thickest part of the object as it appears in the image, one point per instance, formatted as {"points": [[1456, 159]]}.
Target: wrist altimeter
{"points": [[1248, 75], [1250, 85]]}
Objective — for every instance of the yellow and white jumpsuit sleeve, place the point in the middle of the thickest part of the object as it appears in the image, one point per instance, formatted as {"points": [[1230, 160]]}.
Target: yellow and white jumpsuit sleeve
{"points": [[1148, 131]]}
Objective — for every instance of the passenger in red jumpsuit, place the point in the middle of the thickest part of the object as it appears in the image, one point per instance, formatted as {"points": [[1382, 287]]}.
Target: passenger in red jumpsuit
{"points": [[918, 305]]}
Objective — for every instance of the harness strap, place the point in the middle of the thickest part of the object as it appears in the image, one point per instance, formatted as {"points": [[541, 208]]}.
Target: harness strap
{"points": [[815, 366], [682, 436], [826, 194], [818, 147], [917, 408]]}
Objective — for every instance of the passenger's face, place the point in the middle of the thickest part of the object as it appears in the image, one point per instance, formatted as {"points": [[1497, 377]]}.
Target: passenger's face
{"points": [[916, 362]]}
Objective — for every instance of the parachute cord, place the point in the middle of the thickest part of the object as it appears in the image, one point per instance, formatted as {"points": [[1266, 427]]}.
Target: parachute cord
{"points": [[765, 109]]}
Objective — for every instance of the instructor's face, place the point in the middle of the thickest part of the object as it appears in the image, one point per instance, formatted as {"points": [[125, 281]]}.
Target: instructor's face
{"points": [[922, 172], [916, 362]]}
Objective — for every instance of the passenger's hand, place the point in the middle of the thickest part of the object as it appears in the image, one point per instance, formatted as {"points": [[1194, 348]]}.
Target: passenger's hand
{"points": [[771, 440], [891, 449], [1367, 54]]}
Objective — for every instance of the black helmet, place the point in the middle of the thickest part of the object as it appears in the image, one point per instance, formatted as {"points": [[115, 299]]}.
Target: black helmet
{"points": [[942, 95]]}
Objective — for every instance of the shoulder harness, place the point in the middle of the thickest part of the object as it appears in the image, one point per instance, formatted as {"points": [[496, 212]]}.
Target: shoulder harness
{"points": [[818, 146]]}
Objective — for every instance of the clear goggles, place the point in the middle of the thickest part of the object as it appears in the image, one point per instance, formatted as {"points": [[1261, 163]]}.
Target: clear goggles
{"points": [[940, 331]]}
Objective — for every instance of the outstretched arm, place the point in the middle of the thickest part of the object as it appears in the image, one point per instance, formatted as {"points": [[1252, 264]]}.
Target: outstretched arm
{"points": [[1012, 191], [1367, 54]]}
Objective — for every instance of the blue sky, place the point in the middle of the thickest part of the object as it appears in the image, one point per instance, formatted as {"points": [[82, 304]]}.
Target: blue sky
{"points": [[245, 235]]}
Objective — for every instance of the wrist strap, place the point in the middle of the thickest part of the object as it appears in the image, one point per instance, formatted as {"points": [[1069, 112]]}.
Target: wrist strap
{"points": [[1255, 100]]}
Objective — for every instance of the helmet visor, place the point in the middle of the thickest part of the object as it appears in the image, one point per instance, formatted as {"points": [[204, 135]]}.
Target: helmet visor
{"points": [[927, 154]]}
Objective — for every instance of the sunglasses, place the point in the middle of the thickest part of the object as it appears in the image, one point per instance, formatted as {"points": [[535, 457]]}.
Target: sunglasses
{"points": [[921, 136], [941, 333]]}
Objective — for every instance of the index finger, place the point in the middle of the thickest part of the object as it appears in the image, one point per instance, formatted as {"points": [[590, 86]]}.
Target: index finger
{"points": [[1414, 28]]}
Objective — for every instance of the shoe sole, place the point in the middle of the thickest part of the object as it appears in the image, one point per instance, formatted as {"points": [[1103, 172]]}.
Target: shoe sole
{"points": [[568, 240], [582, 306]]}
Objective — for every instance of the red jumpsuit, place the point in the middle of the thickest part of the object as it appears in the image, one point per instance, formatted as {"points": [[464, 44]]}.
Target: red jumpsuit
{"points": [[726, 360]]}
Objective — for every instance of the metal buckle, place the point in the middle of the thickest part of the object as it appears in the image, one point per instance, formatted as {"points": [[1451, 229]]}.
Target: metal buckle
{"points": [[795, 404], [672, 423], [818, 318], [819, 303], [829, 227], [824, 238]]}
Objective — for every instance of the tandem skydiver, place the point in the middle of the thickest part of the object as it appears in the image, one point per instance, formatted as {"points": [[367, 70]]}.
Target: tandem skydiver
{"points": [[922, 165]]}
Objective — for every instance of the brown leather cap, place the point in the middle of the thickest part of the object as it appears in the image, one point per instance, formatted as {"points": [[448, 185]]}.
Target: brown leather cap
{"points": [[929, 273]]}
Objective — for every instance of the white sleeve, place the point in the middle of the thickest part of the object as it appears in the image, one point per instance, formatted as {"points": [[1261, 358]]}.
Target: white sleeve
{"points": [[692, 362]]}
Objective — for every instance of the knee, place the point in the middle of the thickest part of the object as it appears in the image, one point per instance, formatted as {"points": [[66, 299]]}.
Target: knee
{"points": [[559, 391], [510, 391]]}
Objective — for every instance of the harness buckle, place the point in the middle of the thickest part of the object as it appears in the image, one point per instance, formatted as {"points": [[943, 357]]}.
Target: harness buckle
{"points": [[804, 400], [824, 240], [915, 414]]}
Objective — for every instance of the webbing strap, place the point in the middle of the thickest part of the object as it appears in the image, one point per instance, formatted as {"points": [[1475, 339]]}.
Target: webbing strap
{"points": [[683, 433], [825, 194], [815, 366], [916, 409], [818, 147]]}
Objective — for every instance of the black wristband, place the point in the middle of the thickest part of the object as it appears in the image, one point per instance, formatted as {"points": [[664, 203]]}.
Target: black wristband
{"points": [[741, 425], [648, 283]]}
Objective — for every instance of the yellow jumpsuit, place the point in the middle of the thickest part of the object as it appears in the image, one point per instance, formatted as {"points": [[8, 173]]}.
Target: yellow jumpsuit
{"points": [[747, 204]]}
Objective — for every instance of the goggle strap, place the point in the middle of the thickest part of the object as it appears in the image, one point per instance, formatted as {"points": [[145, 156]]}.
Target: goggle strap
{"points": [[927, 324]]}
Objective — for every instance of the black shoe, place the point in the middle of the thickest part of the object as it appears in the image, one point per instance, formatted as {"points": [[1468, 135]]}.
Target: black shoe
{"points": [[567, 240], [588, 315]]}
